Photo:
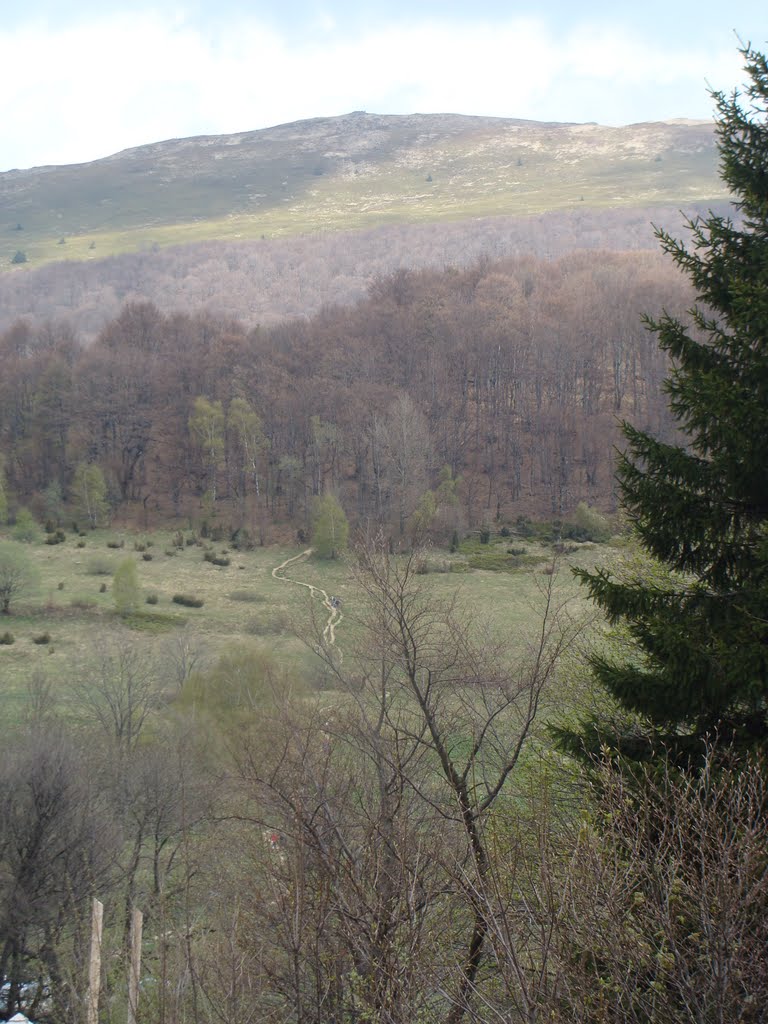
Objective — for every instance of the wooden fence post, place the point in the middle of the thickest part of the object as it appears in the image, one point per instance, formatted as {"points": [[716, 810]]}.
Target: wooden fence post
{"points": [[137, 920], [94, 964]]}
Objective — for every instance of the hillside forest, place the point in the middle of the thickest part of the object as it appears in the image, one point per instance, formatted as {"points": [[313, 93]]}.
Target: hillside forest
{"points": [[504, 380]]}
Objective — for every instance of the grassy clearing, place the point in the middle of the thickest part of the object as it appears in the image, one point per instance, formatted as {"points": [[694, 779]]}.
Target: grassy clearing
{"points": [[242, 603]]}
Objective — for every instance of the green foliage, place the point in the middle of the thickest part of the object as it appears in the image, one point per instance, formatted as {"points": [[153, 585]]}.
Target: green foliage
{"points": [[188, 600], [330, 529], [125, 587], [99, 565], [89, 491], [6, 639], [206, 426], [25, 529], [17, 574], [587, 524], [699, 668], [41, 638], [242, 682]]}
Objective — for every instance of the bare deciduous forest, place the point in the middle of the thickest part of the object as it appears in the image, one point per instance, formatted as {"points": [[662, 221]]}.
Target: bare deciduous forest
{"points": [[513, 374], [264, 282]]}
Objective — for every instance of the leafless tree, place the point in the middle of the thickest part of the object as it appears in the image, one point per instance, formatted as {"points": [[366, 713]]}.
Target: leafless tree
{"points": [[375, 815]]}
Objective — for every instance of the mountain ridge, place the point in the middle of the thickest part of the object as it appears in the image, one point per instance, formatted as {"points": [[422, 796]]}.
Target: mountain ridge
{"points": [[351, 170]]}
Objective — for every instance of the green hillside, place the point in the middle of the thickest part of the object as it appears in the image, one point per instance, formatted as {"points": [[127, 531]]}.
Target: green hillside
{"points": [[357, 170]]}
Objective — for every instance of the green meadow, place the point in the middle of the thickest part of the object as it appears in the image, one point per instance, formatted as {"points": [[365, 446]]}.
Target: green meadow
{"points": [[59, 624]]}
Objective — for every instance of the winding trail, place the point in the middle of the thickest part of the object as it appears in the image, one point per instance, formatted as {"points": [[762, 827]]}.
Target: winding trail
{"points": [[334, 612]]}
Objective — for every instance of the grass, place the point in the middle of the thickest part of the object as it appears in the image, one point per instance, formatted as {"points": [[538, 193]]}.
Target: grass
{"points": [[242, 601]]}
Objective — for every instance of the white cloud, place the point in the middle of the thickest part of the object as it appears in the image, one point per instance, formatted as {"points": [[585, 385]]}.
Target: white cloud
{"points": [[89, 90]]}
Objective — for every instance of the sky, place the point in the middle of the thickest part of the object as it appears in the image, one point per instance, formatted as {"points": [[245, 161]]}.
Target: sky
{"points": [[83, 79]]}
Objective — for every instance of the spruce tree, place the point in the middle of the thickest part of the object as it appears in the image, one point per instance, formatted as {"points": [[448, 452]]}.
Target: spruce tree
{"points": [[699, 670]]}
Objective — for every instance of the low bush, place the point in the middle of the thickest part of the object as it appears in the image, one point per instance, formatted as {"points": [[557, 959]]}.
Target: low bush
{"points": [[147, 556], [57, 537], [115, 543], [6, 639], [241, 540], [587, 524], [42, 638], [99, 566], [223, 561], [81, 543], [152, 598], [103, 588], [188, 600]]}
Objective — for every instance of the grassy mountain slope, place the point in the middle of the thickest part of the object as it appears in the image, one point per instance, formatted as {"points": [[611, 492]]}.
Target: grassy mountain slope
{"points": [[357, 170]]}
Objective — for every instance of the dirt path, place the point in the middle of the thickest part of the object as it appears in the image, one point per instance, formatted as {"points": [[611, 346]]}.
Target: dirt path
{"points": [[334, 612]]}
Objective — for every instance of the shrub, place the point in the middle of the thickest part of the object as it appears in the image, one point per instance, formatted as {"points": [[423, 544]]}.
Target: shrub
{"points": [[17, 574], [241, 540], [115, 543], [587, 524], [147, 556], [60, 585], [6, 639], [220, 561], [138, 546], [170, 552], [188, 600], [125, 587], [485, 535], [56, 537], [81, 544], [524, 527], [99, 566], [103, 588], [25, 528], [42, 638], [152, 598]]}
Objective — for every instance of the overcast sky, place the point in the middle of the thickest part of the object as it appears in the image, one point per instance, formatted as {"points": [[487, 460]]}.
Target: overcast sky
{"points": [[86, 78]]}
